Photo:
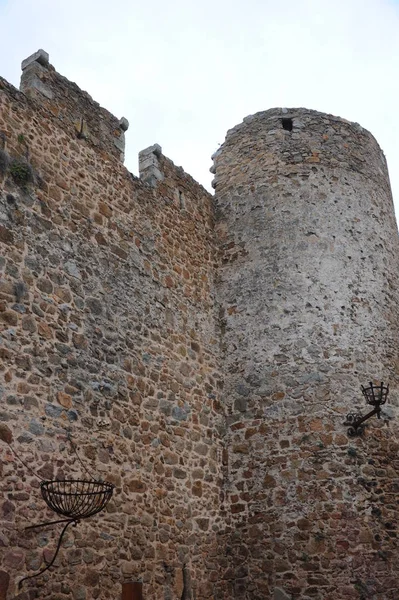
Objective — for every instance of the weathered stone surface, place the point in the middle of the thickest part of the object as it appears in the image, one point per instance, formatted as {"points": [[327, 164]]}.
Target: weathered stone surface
{"points": [[279, 594], [308, 288], [202, 359], [149, 165], [117, 322], [41, 56], [124, 124], [4, 583]]}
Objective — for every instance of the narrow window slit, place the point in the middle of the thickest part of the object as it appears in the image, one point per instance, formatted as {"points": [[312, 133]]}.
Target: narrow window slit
{"points": [[287, 124]]}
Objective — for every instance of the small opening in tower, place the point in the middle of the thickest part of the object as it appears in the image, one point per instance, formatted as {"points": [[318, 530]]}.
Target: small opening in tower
{"points": [[287, 124]]}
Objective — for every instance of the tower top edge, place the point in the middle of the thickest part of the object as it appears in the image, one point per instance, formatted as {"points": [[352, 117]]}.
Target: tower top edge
{"points": [[298, 116], [290, 138]]}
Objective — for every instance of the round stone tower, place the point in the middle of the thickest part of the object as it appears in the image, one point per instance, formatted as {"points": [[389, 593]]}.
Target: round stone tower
{"points": [[308, 290]]}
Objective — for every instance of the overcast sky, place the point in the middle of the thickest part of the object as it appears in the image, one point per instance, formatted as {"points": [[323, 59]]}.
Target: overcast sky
{"points": [[184, 71]]}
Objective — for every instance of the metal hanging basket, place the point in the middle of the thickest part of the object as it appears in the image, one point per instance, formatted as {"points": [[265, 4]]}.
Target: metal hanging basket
{"points": [[72, 499], [376, 395], [76, 498]]}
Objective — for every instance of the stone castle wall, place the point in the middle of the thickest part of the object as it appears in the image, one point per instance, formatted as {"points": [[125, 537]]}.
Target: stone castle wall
{"points": [[202, 352], [108, 331], [308, 286]]}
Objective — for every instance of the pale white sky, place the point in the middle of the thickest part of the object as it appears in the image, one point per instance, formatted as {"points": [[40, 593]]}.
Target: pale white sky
{"points": [[185, 71]]}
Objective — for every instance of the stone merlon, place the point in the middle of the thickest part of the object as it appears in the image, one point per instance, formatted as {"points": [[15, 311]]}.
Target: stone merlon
{"points": [[149, 164], [87, 120]]}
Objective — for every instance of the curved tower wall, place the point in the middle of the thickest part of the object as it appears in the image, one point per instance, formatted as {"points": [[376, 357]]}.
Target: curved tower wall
{"points": [[309, 303]]}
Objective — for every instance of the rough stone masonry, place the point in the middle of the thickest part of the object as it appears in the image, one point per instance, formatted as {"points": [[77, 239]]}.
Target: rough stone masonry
{"points": [[201, 350]]}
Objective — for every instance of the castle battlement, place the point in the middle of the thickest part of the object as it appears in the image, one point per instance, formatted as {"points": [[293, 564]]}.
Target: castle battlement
{"points": [[81, 115]]}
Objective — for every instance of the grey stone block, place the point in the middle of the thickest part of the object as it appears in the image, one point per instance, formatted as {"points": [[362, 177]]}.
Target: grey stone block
{"points": [[41, 56], [119, 142], [31, 79], [124, 124], [152, 177], [154, 149], [147, 161], [149, 169], [37, 84]]}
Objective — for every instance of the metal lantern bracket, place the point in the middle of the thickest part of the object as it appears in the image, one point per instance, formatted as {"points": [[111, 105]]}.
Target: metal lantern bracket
{"points": [[375, 395]]}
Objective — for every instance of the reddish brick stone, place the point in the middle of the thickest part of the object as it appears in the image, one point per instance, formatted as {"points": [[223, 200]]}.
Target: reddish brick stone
{"points": [[6, 235], [5, 433], [4, 584], [136, 486]]}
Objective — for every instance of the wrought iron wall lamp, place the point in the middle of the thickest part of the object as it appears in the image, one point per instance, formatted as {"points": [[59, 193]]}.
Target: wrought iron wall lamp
{"points": [[375, 395]]}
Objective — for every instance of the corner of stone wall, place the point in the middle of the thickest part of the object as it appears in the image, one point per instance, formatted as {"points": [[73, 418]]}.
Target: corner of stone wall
{"points": [[213, 167], [33, 78], [84, 117]]}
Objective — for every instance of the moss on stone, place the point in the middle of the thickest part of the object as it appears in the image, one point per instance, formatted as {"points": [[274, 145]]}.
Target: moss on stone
{"points": [[21, 172]]}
